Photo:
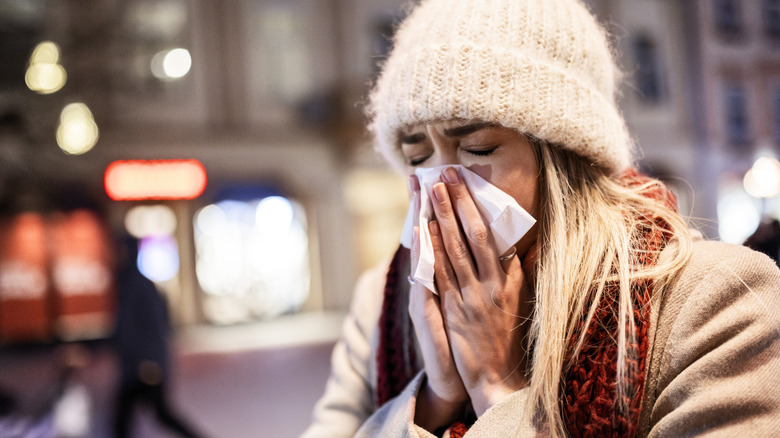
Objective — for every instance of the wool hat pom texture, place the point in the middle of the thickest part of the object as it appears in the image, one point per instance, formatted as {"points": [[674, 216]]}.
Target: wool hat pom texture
{"points": [[542, 67]]}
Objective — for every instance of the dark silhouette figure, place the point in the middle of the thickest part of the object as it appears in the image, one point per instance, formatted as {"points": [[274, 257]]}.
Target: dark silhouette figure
{"points": [[142, 346], [766, 239]]}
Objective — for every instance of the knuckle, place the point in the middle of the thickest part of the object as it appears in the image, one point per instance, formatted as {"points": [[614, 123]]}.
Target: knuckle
{"points": [[444, 215], [443, 274], [455, 314], [460, 194], [460, 251], [479, 233]]}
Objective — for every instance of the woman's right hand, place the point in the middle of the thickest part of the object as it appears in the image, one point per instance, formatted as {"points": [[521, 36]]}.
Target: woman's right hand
{"points": [[443, 397]]}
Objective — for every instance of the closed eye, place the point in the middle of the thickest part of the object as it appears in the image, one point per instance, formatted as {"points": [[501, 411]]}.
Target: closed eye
{"points": [[416, 161], [482, 152]]}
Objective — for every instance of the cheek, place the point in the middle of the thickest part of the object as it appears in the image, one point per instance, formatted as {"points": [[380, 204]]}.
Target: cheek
{"points": [[525, 191], [522, 187], [485, 171], [518, 180]]}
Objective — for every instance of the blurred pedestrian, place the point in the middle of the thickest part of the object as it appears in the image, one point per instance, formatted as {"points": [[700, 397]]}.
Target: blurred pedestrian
{"points": [[142, 335], [766, 239]]}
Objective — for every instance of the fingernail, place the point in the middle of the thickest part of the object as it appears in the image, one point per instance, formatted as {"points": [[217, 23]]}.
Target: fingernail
{"points": [[451, 175], [439, 192], [433, 227]]}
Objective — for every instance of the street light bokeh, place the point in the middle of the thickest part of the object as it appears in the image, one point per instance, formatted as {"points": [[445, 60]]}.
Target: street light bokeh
{"points": [[763, 178]]}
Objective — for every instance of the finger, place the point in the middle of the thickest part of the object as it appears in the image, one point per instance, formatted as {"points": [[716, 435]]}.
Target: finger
{"points": [[425, 313], [446, 280], [506, 258], [522, 272], [428, 322], [455, 245], [424, 308], [475, 229], [430, 330], [414, 192], [515, 267]]}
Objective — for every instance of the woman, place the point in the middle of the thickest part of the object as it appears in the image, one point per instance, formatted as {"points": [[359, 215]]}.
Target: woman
{"points": [[608, 318]]}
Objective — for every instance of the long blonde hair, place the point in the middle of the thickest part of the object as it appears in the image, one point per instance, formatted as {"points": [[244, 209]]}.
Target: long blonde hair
{"points": [[587, 236]]}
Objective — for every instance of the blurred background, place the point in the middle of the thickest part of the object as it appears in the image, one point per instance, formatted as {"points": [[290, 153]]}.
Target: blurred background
{"points": [[227, 138]]}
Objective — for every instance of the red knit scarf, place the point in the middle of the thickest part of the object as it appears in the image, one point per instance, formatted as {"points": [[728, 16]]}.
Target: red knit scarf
{"points": [[589, 387]]}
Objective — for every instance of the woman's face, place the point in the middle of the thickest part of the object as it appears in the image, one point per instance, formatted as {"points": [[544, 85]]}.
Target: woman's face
{"points": [[499, 155]]}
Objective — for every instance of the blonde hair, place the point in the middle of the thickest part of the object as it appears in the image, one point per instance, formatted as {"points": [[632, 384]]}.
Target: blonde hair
{"points": [[588, 233]]}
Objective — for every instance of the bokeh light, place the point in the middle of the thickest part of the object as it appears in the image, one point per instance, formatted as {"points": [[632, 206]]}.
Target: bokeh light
{"points": [[252, 255], [44, 74], [738, 215], [158, 258], [171, 64], [763, 178], [274, 216], [77, 132], [150, 220]]}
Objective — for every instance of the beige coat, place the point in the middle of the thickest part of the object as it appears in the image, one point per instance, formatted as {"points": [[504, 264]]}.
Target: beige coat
{"points": [[713, 369]]}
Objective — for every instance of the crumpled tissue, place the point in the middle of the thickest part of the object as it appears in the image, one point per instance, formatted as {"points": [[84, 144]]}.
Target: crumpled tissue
{"points": [[508, 221]]}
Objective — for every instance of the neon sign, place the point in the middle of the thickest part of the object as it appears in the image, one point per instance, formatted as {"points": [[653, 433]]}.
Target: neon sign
{"points": [[134, 180]]}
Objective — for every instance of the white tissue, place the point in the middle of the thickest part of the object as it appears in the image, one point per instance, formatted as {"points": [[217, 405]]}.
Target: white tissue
{"points": [[508, 221]]}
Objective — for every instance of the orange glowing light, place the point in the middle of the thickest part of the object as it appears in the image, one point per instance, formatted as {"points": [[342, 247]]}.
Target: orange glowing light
{"points": [[134, 180]]}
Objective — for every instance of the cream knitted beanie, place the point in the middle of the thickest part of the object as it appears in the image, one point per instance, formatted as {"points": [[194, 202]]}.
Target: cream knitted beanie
{"points": [[542, 67]]}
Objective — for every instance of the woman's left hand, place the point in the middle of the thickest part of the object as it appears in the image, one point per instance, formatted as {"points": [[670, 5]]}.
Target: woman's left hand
{"points": [[485, 304]]}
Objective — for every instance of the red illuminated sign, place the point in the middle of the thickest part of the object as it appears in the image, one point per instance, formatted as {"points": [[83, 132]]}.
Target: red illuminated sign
{"points": [[24, 283], [56, 278], [134, 180]]}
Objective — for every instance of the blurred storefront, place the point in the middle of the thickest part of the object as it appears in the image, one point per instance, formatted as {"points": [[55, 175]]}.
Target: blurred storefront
{"points": [[56, 278]]}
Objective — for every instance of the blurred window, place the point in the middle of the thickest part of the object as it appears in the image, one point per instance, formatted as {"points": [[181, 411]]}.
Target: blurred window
{"points": [[252, 258], [737, 123], [284, 61], [728, 18], [772, 18], [648, 72]]}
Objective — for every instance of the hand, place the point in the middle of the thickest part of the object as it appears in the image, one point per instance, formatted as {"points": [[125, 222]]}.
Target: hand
{"points": [[443, 398], [485, 305]]}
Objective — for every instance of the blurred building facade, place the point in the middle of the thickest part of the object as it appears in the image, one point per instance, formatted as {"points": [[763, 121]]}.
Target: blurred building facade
{"points": [[272, 108], [652, 45], [269, 108], [736, 105]]}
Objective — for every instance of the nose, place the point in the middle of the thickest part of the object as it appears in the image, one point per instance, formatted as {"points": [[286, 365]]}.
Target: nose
{"points": [[445, 151], [443, 157]]}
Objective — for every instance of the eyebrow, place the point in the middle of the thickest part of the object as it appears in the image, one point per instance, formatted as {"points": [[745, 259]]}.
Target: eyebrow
{"points": [[458, 131], [413, 138]]}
